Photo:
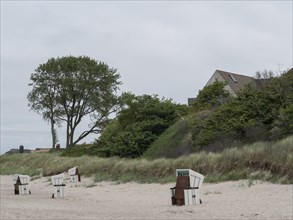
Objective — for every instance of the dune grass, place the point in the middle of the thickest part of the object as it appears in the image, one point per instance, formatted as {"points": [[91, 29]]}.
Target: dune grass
{"points": [[260, 161], [174, 140]]}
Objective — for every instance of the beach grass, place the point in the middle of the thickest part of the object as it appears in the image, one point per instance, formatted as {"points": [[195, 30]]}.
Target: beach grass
{"points": [[260, 161]]}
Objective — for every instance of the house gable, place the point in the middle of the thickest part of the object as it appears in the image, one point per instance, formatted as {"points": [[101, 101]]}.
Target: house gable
{"points": [[218, 76], [234, 82], [237, 81]]}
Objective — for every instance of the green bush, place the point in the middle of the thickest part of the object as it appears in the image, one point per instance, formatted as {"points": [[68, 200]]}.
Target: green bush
{"points": [[137, 126], [77, 150], [211, 96]]}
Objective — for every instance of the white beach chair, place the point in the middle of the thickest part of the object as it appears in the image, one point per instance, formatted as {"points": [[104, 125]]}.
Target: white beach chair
{"points": [[74, 174], [187, 189], [21, 184], [58, 183]]}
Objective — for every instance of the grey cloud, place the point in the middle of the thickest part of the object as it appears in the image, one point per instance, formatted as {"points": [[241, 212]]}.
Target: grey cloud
{"points": [[165, 48]]}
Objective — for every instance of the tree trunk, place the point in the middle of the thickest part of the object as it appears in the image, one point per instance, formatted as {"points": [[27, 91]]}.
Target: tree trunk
{"points": [[53, 133], [67, 136]]}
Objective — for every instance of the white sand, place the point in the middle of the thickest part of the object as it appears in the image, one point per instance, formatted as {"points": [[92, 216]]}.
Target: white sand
{"points": [[107, 200]]}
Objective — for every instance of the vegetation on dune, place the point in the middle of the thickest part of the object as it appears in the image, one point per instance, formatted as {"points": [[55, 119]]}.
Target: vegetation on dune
{"points": [[211, 96], [176, 140], [222, 137], [139, 123], [151, 128], [255, 115], [71, 88], [268, 161]]}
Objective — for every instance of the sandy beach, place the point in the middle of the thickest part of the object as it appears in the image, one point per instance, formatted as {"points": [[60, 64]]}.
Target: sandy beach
{"points": [[109, 200]]}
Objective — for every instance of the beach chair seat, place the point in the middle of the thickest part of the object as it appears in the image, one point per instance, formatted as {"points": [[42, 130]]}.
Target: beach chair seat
{"points": [[187, 188], [182, 183]]}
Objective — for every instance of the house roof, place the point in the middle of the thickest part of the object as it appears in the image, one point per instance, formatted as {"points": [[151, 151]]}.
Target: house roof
{"points": [[237, 81]]}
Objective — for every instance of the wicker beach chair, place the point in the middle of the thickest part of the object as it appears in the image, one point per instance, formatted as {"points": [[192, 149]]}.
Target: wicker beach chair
{"points": [[74, 175], [21, 186], [58, 183], [187, 188]]}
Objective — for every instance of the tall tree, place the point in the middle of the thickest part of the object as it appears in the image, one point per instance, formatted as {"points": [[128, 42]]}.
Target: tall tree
{"points": [[69, 89], [42, 98]]}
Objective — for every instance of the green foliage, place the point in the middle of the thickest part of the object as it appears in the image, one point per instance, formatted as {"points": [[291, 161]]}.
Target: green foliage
{"points": [[172, 142], [231, 119], [253, 116], [279, 94], [69, 89], [176, 140], [283, 125], [77, 150], [139, 123], [211, 96]]}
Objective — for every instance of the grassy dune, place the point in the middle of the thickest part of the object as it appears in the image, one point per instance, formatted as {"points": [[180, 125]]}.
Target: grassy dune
{"points": [[265, 161]]}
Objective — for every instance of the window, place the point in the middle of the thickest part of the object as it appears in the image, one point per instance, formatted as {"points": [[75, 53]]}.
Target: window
{"points": [[233, 78]]}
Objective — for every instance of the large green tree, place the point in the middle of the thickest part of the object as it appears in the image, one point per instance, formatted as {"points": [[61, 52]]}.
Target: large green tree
{"points": [[71, 89]]}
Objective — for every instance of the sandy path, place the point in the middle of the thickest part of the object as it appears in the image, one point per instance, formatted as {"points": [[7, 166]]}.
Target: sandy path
{"points": [[107, 200]]}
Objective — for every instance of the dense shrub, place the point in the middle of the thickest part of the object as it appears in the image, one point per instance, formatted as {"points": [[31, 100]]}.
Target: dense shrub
{"points": [[175, 141], [283, 125], [137, 126], [211, 96], [76, 151]]}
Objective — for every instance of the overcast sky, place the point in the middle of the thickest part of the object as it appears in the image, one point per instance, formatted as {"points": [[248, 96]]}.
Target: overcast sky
{"points": [[169, 48]]}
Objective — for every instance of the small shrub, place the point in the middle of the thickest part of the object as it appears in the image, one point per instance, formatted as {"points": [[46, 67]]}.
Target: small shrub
{"points": [[77, 151]]}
